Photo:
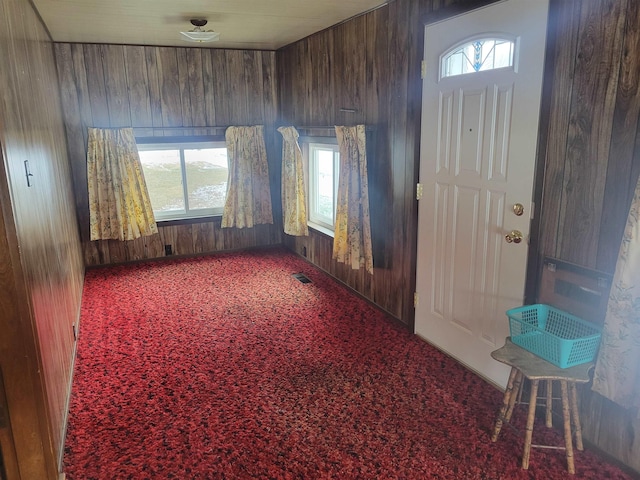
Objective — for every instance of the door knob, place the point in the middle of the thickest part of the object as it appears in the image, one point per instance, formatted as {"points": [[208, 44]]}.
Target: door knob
{"points": [[514, 236], [518, 209]]}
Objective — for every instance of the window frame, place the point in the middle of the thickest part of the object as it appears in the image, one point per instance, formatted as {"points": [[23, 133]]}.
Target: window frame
{"points": [[309, 146], [182, 144], [502, 37]]}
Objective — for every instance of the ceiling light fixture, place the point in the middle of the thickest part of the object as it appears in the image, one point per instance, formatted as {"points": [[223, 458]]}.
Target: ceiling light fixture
{"points": [[198, 34]]}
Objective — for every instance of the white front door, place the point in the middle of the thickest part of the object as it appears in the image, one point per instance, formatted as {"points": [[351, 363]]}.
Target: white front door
{"points": [[478, 149]]}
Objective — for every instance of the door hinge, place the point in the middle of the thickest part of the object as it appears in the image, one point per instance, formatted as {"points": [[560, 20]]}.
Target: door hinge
{"points": [[415, 299], [423, 69], [419, 191]]}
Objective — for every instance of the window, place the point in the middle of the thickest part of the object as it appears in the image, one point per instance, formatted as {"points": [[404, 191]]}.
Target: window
{"points": [[324, 167], [478, 56], [185, 180]]}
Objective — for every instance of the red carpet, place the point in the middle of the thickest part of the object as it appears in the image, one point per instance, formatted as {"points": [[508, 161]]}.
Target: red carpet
{"points": [[227, 367]]}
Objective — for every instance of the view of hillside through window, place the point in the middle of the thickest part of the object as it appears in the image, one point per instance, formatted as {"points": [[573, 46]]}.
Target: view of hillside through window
{"points": [[205, 172], [326, 183]]}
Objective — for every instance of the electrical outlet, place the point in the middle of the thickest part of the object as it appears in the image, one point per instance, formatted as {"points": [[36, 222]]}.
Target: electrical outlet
{"points": [[168, 250]]}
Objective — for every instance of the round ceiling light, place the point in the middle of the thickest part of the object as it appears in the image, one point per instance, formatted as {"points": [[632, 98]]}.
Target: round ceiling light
{"points": [[197, 34]]}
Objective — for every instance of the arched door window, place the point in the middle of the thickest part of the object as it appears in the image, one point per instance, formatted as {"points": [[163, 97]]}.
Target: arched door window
{"points": [[478, 55]]}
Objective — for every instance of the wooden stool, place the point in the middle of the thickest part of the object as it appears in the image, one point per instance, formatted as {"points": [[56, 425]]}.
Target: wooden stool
{"points": [[525, 364]]}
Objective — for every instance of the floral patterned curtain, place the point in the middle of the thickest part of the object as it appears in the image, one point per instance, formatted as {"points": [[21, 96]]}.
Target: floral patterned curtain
{"points": [[617, 373], [352, 233], [119, 205], [248, 200], [294, 201]]}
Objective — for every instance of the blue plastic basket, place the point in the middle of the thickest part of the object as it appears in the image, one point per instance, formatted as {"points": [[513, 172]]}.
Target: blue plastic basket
{"points": [[559, 337]]}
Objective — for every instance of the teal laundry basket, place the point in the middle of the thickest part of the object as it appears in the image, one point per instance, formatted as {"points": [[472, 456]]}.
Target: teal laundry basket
{"points": [[556, 336]]}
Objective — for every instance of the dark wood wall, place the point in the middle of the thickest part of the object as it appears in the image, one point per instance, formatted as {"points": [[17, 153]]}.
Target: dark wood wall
{"points": [[591, 152], [367, 70], [167, 91], [587, 148], [360, 72], [41, 268]]}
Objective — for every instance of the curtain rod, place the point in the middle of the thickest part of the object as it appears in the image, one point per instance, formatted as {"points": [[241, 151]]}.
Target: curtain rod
{"points": [[368, 128]]}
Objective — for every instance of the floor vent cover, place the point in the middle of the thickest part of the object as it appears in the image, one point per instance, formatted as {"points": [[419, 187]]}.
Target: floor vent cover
{"points": [[301, 277]]}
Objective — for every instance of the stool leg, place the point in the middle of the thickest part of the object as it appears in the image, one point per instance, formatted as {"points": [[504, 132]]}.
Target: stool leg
{"points": [[515, 395], [530, 418], [508, 393], [567, 427], [549, 404], [575, 413]]}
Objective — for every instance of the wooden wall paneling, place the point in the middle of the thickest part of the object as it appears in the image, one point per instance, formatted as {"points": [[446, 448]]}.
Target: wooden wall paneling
{"points": [[117, 251], [303, 102], [82, 89], [219, 236], [22, 396], [136, 249], [223, 100], [116, 86], [91, 254], [304, 63], [284, 85], [610, 427], [203, 237], [195, 69], [93, 55], [184, 240], [564, 23], [184, 90], [236, 85], [402, 260], [169, 236], [78, 157], [620, 185], [209, 92], [138, 86], [322, 102], [273, 139], [254, 81], [154, 246], [41, 269], [375, 64], [593, 100], [168, 80], [75, 135], [415, 47], [8, 459], [349, 71], [155, 95], [295, 88], [379, 159]]}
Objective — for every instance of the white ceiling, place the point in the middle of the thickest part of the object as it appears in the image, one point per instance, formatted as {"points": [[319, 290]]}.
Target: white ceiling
{"points": [[242, 24]]}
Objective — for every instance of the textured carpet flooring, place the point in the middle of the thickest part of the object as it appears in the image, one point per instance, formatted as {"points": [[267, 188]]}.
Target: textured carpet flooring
{"points": [[227, 367]]}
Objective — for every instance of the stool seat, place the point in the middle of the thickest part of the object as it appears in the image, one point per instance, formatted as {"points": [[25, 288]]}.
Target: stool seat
{"points": [[525, 364]]}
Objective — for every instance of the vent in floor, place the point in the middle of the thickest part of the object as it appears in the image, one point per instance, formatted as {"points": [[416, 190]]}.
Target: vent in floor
{"points": [[301, 277]]}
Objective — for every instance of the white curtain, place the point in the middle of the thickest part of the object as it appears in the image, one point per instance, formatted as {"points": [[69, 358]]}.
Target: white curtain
{"points": [[119, 205], [617, 373], [352, 233], [248, 201], [294, 200]]}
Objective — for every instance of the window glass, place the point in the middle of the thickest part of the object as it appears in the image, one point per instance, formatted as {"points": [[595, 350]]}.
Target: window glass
{"points": [[477, 56], [207, 172], [323, 184], [185, 180]]}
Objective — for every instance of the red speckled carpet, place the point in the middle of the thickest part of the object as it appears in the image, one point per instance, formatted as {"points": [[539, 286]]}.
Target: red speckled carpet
{"points": [[226, 367]]}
